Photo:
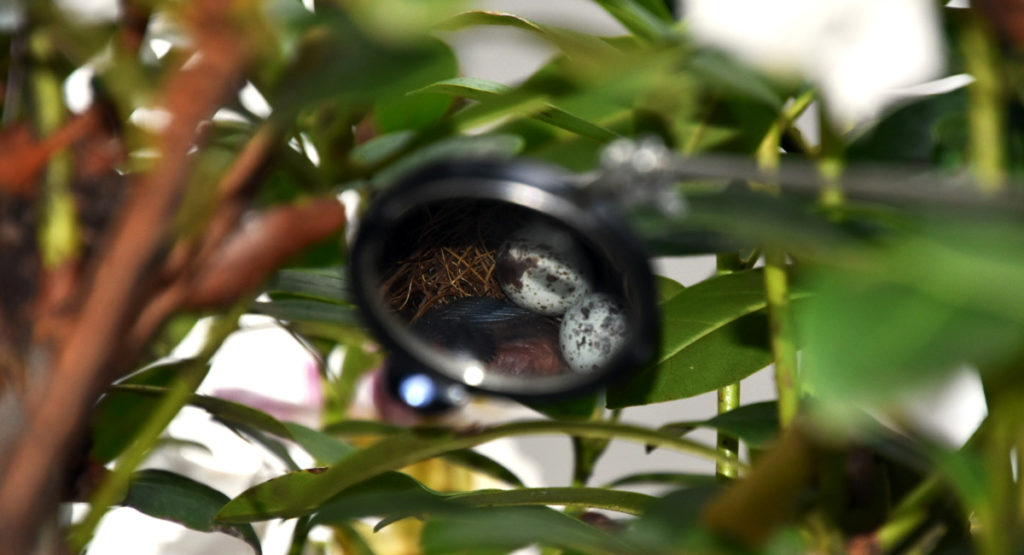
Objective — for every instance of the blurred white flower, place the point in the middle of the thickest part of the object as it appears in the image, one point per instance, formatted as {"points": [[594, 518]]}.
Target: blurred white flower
{"points": [[91, 11], [855, 51]]}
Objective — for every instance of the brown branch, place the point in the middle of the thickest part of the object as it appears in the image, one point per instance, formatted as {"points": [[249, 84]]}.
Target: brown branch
{"points": [[22, 158], [58, 406]]}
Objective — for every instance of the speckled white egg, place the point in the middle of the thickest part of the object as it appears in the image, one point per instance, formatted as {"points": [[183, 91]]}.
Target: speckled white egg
{"points": [[592, 332], [542, 268]]}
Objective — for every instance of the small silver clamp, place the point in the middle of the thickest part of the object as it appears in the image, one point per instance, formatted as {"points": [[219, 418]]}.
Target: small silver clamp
{"points": [[641, 172]]}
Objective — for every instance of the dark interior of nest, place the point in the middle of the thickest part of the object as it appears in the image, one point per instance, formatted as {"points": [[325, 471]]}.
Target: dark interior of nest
{"points": [[446, 251]]}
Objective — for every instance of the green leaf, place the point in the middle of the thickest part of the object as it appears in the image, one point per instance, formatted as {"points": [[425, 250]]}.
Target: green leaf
{"points": [[266, 500], [667, 288], [572, 43], [321, 446], [168, 496], [672, 520], [324, 448], [913, 308], [338, 61], [397, 110], [361, 428], [305, 310], [483, 464], [578, 408], [671, 478], [713, 334], [390, 493], [638, 18], [598, 498], [482, 90], [315, 284], [491, 146], [505, 529], [382, 147], [117, 419], [756, 424]]}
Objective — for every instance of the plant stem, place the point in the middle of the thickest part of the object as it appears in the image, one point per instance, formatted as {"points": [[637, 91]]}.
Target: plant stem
{"points": [[986, 104], [58, 231], [776, 284], [728, 446], [776, 281], [830, 162], [112, 489], [728, 396], [909, 514]]}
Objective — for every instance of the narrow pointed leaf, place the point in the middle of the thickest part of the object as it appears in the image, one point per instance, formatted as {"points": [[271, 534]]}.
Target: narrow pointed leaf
{"points": [[312, 284], [756, 424], [668, 478], [483, 90], [173, 497], [268, 500], [713, 334]]}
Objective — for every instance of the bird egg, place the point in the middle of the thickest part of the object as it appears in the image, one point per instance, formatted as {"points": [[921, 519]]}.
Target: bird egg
{"points": [[592, 332], [543, 269]]}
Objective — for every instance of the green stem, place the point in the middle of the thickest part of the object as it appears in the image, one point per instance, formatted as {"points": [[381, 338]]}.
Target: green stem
{"points": [[776, 281], [112, 489], [909, 515], [728, 396], [830, 163], [586, 451], [986, 104], [728, 446], [58, 231], [776, 284]]}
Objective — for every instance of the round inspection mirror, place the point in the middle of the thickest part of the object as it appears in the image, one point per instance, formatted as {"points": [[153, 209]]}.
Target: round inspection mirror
{"points": [[502, 277]]}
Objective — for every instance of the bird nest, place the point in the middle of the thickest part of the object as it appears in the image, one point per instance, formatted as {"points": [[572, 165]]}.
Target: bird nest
{"points": [[454, 257]]}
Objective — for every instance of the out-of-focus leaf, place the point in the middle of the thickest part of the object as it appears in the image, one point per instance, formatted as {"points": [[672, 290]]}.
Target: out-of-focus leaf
{"points": [[305, 310], [268, 500], [320, 285], [756, 424], [361, 428], [397, 110], [913, 308], [490, 146], [168, 496], [735, 79], [910, 133], [713, 334], [577, 408], [483, 464], [573, 43], [505, 529], [117, 419], [669, 478], [338, 60], [638, 18], [482, 90], [672, 519], [381, 147]]}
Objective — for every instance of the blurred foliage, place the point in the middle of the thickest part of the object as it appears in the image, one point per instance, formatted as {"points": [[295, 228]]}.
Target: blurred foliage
{"points": [[888, 298]]}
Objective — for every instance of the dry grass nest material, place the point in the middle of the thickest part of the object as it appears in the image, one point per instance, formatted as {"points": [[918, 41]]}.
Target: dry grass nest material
{"points": [[455, 258]]}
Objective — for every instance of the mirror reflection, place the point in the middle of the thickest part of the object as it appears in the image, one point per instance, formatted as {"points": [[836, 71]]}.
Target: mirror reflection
{"points": [[505, 289]]}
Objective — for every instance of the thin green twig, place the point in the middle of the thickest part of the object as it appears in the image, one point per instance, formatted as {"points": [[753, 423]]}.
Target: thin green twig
{"points": [[114, 487], [728, 396], [986, 113]]}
